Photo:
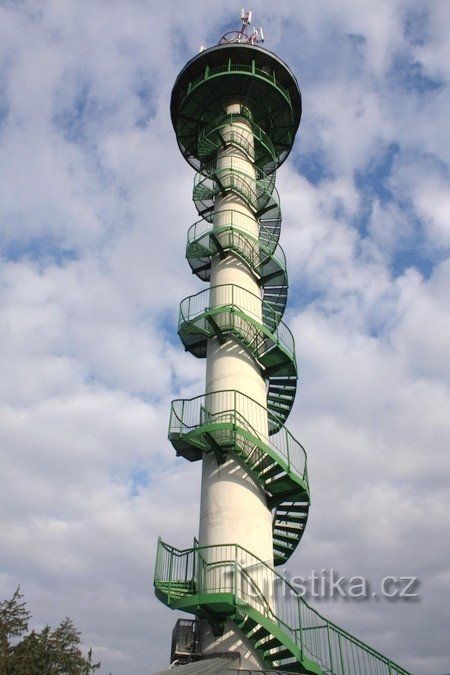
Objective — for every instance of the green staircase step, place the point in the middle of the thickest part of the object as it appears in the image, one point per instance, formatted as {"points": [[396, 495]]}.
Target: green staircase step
{"points": [[287, 528], [295, 668], [261, 463], [283, 538], [273, 470], [246, 624], [258, 634], [298, 508], [279, 481], [282, 397], [270, 644], [278, 656], [284, 394], [295, 518], [283, 546]]}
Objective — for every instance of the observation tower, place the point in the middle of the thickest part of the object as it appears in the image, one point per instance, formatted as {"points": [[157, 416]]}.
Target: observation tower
{"points": [[235, 108]]}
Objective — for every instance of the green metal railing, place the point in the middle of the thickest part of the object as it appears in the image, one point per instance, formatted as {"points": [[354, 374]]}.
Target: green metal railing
{"points": [[236, 233], [199, 576], [239, 223], [236, 309], [235, 68], [219, 133], [213, 181], [244, 417], [269, 267]]}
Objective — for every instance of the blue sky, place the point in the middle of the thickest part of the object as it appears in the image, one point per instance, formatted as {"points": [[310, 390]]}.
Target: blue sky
{"points": [[95, 203]]}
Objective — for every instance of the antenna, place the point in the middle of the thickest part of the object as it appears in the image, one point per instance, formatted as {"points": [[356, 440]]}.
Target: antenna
{"points": [[242, 35], [257, 36], [246, 17]]}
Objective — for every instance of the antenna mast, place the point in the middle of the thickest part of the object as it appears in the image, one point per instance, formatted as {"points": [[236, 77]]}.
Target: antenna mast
{"points": [[242, 36]]}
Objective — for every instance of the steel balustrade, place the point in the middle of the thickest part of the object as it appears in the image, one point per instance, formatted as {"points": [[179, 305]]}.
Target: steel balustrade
{"points": [[227, 421], [264, 255], [220, 134], [304, 641]]}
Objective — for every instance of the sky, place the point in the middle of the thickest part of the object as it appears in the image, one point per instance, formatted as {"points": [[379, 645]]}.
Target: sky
{"points": [[95, 203]]}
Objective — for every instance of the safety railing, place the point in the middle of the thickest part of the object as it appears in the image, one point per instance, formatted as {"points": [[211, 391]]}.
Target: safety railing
{"points": [[218, 169], [239, 68], [260, 148], [244, 417], [229, 220], [211, 182], [253, 583], [241, 229], [238, 308], [269, 216]]}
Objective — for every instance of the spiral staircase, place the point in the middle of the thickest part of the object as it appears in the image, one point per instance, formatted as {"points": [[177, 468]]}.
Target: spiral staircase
{"points": [[227, 582]]}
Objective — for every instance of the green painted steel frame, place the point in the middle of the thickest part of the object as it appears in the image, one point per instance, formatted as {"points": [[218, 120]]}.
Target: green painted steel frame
{"points": [[261, 151], [225, 72], [278, 464], [264, 256], [313, 644], [185, 418], [273, 331]]}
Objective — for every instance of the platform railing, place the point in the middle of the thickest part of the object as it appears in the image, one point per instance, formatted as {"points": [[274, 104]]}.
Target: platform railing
{"points": [[246, 577], [237, 302], [243, 413], [238, 228], [219, 132], [238, 68]]}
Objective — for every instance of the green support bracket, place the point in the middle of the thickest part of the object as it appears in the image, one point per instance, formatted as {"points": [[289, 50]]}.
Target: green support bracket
{"points": [[217, 331], [220, 249], [218, 451]]}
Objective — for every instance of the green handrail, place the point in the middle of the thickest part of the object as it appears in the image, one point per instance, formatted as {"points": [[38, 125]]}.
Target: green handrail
{"points": [[234, 68], [206, 239], [260, 150], [316, 637], [244, 415], [233, 303], [210, 183], [237, 222]]}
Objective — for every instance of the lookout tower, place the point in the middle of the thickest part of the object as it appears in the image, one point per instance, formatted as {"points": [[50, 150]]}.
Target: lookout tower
{"points": [[235, 109]]}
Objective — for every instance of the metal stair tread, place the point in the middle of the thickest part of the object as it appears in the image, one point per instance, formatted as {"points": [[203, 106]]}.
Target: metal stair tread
{"points": [[270, 644], [258, 634], [280, 547], [279, 656], [288, 528], [281, 538], [299, 507], [273, 470]]}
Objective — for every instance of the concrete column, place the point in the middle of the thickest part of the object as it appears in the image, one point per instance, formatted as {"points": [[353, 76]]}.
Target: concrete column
{"points": [[233, 506]]}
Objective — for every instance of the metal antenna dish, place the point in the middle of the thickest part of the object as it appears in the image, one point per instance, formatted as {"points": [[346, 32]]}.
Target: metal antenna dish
{"points": [[242, 36]]}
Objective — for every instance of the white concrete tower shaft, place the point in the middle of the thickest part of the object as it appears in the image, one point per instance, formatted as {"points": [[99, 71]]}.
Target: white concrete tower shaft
{"points": [[233, 507], [235, 108]]}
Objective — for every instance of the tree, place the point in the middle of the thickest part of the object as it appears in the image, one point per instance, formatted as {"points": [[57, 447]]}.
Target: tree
{"points": [[50, 652]]}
